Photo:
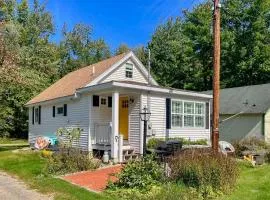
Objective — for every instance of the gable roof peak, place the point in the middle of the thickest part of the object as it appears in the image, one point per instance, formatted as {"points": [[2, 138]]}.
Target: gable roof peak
{"points": [[68, 84]]}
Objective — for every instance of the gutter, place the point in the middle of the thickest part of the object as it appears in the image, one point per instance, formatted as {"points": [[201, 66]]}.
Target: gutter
{"points": [[110, 85]]}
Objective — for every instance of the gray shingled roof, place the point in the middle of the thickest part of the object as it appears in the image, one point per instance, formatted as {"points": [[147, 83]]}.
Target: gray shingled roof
{"points": [[247, 99]]}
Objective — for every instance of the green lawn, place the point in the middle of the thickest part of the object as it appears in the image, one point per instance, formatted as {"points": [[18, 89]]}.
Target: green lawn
{"points": [[30, 168], [253, 184], [6, 142]]}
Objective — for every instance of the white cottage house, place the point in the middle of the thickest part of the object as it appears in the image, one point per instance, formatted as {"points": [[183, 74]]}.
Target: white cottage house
{"points": [[105, 99]]}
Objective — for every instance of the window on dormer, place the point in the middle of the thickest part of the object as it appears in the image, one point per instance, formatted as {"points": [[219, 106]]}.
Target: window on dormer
{"points": [[129, 70]]}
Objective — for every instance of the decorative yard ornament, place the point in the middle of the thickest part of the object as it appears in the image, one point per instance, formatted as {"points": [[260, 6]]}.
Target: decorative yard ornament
{"points": [[145, 116]]}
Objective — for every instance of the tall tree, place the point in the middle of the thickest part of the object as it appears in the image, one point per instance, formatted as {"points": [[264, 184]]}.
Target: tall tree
{"points": [[78, 49], [170, 54], [28, 61], [123, 48], [245, 46], [246, 42]]}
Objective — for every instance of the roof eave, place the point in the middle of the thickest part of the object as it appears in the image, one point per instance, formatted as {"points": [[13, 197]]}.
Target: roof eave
{"points": [[115, 84]]}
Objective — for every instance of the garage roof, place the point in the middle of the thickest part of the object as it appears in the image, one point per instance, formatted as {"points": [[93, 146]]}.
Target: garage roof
{"points": [[247, 99]]}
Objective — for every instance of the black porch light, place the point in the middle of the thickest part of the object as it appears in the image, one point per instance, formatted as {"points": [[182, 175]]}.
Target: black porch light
{"points": [[145, 116]]}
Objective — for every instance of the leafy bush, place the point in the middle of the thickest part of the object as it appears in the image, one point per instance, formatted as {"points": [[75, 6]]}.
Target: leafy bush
{"points": [[46, 153], [162, 192], [139, 174], [154, 142], [204, 170], [69, 160], [267, 157], [249, 144]]}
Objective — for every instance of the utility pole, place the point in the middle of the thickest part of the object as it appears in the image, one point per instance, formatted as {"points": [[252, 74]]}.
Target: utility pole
{"points": [[216, 78]]}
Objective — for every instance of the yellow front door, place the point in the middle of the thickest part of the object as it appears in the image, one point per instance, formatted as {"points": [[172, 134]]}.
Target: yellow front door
{"points": [[123, 117]]}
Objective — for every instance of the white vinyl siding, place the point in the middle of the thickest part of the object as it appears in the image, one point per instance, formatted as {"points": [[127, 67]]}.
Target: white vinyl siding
{"points": [[78, 116], [267, 126], [158, 119], [134, 124], [157, 108], [120, 74]]}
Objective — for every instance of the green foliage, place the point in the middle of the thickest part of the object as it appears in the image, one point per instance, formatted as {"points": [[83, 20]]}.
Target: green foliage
{"points": [[123, 48], [154, 142], [206, 171], [267, 157], [29, 166], [182, 48], [163, 192], [249, 144], [69, 159], [67, 137], [78, 49], [139, 174], [30, 62]]}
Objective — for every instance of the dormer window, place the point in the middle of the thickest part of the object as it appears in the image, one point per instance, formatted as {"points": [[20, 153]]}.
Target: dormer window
{"points": [[129, 70]]}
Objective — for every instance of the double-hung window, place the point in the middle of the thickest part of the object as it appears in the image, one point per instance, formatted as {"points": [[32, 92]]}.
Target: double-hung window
{"points": [[177, 113], [129, 70], [187, 114], [199, 114]]}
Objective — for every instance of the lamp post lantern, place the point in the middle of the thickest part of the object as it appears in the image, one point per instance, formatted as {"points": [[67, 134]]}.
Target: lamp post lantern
{"points": [[145, 116]]}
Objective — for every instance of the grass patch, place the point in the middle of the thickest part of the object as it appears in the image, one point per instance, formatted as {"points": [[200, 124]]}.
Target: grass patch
{"points": [[29, 167], [253, 184], [13, 141]]}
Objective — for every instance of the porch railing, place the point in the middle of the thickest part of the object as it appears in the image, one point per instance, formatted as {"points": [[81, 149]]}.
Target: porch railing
{"points": [[102, 133]]}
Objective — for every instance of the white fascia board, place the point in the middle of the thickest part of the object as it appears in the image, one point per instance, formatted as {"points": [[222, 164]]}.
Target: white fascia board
{"points": [[162, 90], [142, 68], [115, 84], [54, 101], [96, 87]]}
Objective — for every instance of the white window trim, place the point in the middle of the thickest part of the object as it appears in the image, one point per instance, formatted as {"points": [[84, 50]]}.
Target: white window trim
{"points": [[183, 113], [129, 70], [103, 105], [182, 102]]}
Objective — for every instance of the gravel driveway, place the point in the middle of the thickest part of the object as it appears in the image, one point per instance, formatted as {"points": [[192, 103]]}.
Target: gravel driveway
{"points": [[13, 189]]}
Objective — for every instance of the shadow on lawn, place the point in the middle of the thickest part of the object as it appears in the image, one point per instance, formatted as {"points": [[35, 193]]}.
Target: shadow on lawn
{"points": [[10, 148]]}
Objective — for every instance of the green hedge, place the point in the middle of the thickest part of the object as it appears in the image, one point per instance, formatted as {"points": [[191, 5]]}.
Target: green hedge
{"points": [[154, 142]]}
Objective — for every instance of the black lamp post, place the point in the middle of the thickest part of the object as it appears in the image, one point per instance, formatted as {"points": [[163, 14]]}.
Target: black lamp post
{"points": [[145, 116]]}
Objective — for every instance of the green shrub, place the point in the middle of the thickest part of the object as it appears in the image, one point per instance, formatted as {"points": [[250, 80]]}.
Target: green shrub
{"points": [[154, 142], [204, 170], [69, 160], [139, 174], [162, 192], [249, 144], [267, 157]]}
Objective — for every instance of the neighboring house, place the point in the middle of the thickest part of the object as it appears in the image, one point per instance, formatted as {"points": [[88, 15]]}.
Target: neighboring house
{"points": [[105, 99], [245, 112]]}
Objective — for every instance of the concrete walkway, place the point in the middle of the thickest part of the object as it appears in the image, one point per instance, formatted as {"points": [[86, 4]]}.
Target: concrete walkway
{"points": [[13, 189], [94, 180]]}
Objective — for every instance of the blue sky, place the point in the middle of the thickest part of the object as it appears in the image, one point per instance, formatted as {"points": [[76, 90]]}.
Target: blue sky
{"points": [[116, 21]]}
